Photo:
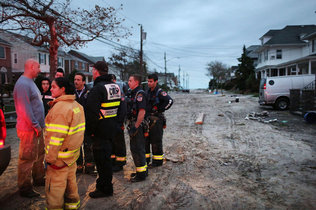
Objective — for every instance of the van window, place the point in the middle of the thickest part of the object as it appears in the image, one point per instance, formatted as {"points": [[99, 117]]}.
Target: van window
{"points": [[262, 82]]}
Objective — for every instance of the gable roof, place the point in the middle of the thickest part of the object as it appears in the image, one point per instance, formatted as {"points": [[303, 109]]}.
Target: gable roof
{"points": [[5, 42], [89, 59], [290, 34], [271, 32]]}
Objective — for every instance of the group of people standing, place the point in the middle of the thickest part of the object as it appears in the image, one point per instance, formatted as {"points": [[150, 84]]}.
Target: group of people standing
{"points": [[93, 118]]}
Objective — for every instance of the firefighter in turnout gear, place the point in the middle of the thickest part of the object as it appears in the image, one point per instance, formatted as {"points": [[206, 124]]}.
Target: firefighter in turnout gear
{"points": [[102, 110], [157, 102], [118, 155], [65, 126], [136, 110]]}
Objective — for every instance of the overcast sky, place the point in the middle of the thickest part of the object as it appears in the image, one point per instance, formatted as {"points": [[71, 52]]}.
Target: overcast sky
{"points": [[196, 32]]}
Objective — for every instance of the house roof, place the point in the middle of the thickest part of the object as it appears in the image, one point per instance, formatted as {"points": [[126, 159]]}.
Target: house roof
{"points": [[271, 32], [4, 42], [89, 59], [252, 51], [290, 34], [310, 36], [28, 40]]}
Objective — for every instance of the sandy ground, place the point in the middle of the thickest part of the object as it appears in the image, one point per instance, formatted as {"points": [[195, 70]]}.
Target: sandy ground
{"points": [[226, 163]]}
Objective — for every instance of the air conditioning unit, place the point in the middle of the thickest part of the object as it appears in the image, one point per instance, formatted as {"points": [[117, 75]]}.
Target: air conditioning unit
{"points": [[272, 57]]}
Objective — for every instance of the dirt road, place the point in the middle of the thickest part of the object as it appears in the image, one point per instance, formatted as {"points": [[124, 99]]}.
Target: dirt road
{"points": [[226, 163]]}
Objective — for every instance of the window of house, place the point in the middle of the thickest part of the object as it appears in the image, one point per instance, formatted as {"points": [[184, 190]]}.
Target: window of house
{"points": [[266, 55], [15, 58], [274, 72], [2, 52], [76, 65], [259, 58], [278, 54], [60, 61], [282, 72], [42, 58], [313, 45]]}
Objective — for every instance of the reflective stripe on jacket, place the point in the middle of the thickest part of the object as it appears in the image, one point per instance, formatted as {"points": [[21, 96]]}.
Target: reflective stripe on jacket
{"points": [[64, 132]]}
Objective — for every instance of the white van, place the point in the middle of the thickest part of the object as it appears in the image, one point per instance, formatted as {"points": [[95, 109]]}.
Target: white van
{"points": [[275, 91]]}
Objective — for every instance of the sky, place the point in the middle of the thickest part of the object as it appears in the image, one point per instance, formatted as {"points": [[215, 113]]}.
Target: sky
{"points": [[194, 33]]}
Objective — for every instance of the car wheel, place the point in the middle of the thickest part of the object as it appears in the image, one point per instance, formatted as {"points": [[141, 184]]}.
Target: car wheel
{"points": [[282, 104]]}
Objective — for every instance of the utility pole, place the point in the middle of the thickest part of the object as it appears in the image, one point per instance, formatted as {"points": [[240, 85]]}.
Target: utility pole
{"points": [[187, 81], [179, 76], [142, 37], [141, 49], [165, 69], [183, 77]]}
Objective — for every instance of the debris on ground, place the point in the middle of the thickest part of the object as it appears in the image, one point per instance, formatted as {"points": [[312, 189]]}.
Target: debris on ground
{"points": [[260, 116]]}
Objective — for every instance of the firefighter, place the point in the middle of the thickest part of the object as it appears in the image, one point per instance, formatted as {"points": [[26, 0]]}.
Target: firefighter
{"points": [[118, 155], [85, 160], [102, 110], [157, 102], [65, 126], [136, 110]]}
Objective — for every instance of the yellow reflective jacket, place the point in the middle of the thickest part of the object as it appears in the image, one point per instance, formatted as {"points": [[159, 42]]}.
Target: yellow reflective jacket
{"points": [[64, 132]]}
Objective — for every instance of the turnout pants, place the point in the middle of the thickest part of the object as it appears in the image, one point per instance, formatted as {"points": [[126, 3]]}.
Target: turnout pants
{"points": [[137, 145], [61, 188], [119, 149], [102, 157], [31, 159], [88, 153], [154, 140]]}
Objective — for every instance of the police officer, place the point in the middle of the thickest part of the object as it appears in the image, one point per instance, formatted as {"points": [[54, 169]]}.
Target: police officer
{"points": [[157, 102], [102, 108], [136, 110]]}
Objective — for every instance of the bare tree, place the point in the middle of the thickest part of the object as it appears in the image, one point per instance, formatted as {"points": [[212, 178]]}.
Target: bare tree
{"points": [[55, 23], [217, 70]]}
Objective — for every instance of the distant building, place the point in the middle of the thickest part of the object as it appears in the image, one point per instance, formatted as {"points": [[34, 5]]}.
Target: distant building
{"points": [[82, 62], [5, 62], [252, 53]]}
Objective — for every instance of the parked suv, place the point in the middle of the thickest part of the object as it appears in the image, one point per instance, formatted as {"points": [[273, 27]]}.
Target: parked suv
{"points": [[5, 150]]}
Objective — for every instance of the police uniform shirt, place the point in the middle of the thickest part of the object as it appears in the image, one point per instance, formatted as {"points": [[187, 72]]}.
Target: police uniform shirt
{"points": [[165, 101], [140, 98]]}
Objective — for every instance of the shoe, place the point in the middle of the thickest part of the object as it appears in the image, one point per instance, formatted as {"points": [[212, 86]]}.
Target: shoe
{"points": [[39, 183], [153, 165], [137, 178], [29, 194], [99, 194], [117, 168]]}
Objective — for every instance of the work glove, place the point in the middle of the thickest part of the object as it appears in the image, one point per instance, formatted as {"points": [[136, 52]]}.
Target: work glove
{"points": [[132, 131]]}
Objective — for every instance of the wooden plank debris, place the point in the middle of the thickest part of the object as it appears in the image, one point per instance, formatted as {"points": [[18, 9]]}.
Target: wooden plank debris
{"points": [[200, 118]]}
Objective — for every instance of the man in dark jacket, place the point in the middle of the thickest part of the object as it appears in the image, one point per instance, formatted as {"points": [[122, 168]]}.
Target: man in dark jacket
{"points": [[157, 102], [136, 110], [102, 110], [85, 160]]}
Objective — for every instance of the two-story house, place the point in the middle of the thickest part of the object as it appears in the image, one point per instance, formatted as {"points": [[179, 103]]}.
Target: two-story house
{"points": [[287, 51], [5, 62], [22, 50]]}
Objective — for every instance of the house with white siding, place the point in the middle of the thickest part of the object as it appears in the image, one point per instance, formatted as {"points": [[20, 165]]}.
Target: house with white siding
{"points": [[22, 50], [287, 51]]}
